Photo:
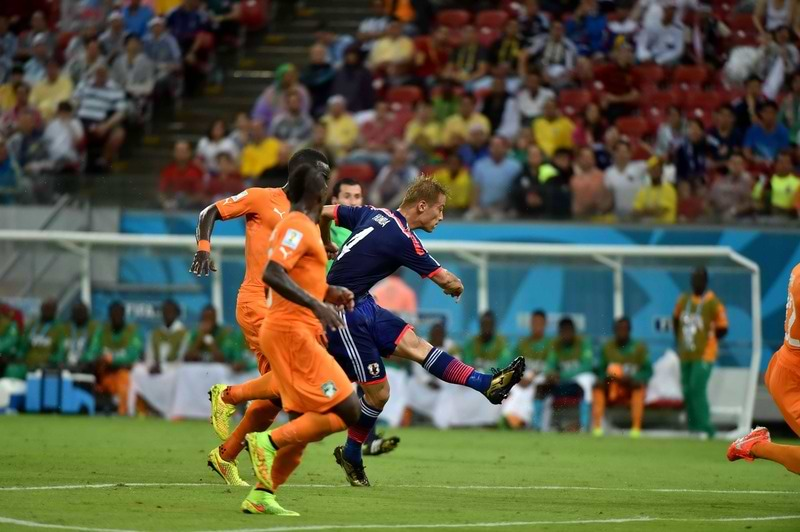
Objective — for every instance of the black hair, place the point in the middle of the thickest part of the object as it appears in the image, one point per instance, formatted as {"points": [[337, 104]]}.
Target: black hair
{"points": [[65, 107], [565, 322], [766, 105], [17, 69], [214, 123], [563, 151], [623, 319], [171, 302], [208, 307], [130, 36], [338, 186], [539, 312], [312, 157], [304, 181], [116, 304], [753, 77], [488, 314]]}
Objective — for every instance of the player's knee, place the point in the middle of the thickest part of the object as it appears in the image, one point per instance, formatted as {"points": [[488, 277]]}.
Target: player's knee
{"points": [[377, 396], [349, 410]]}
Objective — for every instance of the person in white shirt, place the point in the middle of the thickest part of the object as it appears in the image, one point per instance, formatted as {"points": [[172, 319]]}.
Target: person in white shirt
{"points": [[652, 11], [532, 97], [215, 142], [663, 43], [624, 178], [64, 136]]}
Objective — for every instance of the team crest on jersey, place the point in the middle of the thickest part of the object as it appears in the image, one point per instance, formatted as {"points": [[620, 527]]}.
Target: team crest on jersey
{"points": [[292, 239], [329, 389], [381, 219], [374, 369], [237, 197]]}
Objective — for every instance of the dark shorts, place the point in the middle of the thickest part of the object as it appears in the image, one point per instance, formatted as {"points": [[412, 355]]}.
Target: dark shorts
{"points": [[370, 333]]}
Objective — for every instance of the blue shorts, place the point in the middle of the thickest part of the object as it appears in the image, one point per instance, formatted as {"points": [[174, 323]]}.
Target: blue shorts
{"points": [[370, 333]]}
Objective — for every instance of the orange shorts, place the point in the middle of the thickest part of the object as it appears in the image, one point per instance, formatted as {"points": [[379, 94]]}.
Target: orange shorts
{"points": [[308, 378], [250, 315], [783, 382]]}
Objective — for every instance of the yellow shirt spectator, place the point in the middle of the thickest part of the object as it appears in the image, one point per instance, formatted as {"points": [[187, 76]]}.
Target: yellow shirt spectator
{"points": [[341, 132], [162, 7], [783, 190], [8, 97], [424, 135], [459, 187], [46, 96], [658, 203], [260, 156], [456, 127], [553, 134], [391, 50]]}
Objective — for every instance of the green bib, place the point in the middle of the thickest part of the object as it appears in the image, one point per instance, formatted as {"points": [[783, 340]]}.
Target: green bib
{"points": [[694, 325], [45, 341], [166, 345], [535, 352], [493, 350], [569, 358], [632, 356]]}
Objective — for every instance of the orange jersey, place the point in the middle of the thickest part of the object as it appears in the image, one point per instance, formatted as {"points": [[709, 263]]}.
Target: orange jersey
{"points": [[791, 338], [263, 209], [296, 245]]}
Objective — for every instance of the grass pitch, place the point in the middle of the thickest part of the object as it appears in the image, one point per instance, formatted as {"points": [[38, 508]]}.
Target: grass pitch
{"points": [[460, 479]]}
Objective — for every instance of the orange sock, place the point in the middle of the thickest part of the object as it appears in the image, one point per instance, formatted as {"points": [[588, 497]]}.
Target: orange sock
{"points": [[258, 388], [286, 461], [307, 428], [598, 407], [258, 417], [637, 408], [786, 455]]}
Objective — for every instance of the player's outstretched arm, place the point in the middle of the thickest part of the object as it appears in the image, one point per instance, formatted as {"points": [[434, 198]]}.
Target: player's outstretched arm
{"points": [[449, 283], [276, 277], [325, 221], [202, 263]]}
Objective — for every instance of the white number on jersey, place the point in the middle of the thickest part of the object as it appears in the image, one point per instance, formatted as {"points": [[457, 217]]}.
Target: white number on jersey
{"points": [[355, 239]]}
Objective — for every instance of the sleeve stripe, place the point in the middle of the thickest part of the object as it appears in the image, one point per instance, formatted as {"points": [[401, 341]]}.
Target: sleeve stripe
{"points": [[432, 274], [336, 214]]}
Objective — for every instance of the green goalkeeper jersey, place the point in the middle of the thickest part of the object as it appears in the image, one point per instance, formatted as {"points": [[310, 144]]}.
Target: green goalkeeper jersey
{"points": [[339, 236], [632, 357]]}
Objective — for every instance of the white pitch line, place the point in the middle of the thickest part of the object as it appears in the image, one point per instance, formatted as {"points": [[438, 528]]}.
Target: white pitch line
{"points": [[406, 486], [32, 524]]}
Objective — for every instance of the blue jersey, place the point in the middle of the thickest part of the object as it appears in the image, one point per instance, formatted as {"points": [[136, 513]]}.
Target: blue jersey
{"points": [[381, 242]]}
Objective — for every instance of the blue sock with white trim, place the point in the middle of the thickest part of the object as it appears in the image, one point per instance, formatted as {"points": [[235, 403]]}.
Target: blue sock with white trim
{"points": [[358, 433], [449, 369]]}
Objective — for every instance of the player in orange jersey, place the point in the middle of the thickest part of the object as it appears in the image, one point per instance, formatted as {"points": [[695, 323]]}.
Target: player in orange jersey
{"points": [[783, 382], [262, 208], [312, 386]]}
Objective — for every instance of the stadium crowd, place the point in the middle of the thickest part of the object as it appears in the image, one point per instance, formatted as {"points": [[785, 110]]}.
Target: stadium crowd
{"points": [[75, 84]]}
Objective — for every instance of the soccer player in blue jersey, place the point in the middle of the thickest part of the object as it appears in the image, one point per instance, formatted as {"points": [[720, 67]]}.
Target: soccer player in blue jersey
{"points": [[382, 240]]}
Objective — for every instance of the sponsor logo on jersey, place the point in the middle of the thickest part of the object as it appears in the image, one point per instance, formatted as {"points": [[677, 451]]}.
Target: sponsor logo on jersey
{"points": [[381, 219], [237, 197], [374, 369], [292, 239], [329, 389]]}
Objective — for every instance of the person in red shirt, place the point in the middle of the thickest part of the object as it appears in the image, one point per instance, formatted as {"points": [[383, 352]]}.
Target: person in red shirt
{"points": [[620, 85], [432, 53], [226, 182], [181, 180]]}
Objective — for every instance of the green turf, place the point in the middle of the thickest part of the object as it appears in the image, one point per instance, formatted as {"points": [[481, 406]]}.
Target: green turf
{"points": [[408, 484]]}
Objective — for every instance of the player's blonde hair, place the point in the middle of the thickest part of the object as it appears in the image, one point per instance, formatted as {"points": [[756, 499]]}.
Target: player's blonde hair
{"points": [[424, 188]]}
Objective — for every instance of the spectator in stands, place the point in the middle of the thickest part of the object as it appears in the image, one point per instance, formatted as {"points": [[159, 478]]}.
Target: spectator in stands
{"points": [[455, 176], [769, 15], [341, 130], [8, 90], [335, 45], [778, 49], [25, 44], [393, 48], [380, 132], [469, 62], [77, 45], [275, 176], [662, 43], [731, 194], [656, 201], [555, 189], [765, 139], [709, 36], [165, 53], [114, 349], [748, 106], [168, 342], [590, 197], [532, 21], [226, 181], [393, 179], [552, 130], [225, 18], [318, 141], [498, 106], [10, 176], [670, 133], [424, 132], [590, 130], [79, 332], [8, 44], [691, 157], [181, 180], [318, 77], [446, 100], [488, 347], [135, 73], [372, 28], [28, 148], [189, 25], [137, 17], [624, 178], [354, 82], [531, 98], [43, 342], [101, 108], [783, 187], [457, 126], [724, 139], [273, 100], [505, 51], [623, 373], [112, 41], [587, 29], [36, 66], [64, 138], [210, 342], [570, 356], [431, 55], [215, 142], [553, 54], [260, 154], [82, 67], [527, 193], [620, 95], [790, 108], [241, 131], [492, 178], [293, 126], [55, 88], [476, 147]]}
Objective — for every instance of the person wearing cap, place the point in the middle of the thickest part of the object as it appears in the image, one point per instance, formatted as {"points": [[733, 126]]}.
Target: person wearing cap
{"points": [[657, 201], [136, 17], [341, 130], [36, 66], [52, 90], [101, 107], [163, 50], [112, 41]]}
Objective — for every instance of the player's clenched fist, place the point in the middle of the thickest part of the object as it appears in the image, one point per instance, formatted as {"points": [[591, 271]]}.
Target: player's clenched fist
{"points": [[340, 297], [202, 263], [454, 288]]}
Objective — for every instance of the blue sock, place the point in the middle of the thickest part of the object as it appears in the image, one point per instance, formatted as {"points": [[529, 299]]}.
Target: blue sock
{"points": [[358, 433], [585, 414], [449, 369], [538, 413]]}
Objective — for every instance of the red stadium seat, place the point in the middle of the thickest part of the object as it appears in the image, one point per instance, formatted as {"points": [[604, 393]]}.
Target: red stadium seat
{"points": [[408, 95], [488, 36], [742, 22], [363, 173], [573, 101], [640, 151], [649, 73], [633, 127], [707, 101], [493, 18], [664, 99], [655, 116], [453, 18], [253, 14], [689, 76]]}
